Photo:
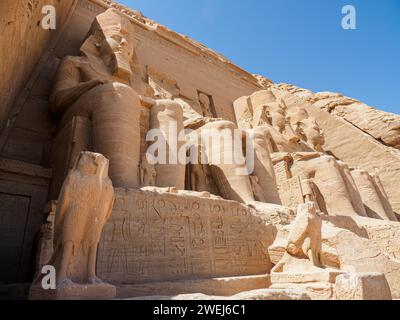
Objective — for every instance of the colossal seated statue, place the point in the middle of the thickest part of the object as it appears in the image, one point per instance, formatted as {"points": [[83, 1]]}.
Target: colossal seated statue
{"points": [[300, 151], [166, 124], [215, 139], [96, 85]]}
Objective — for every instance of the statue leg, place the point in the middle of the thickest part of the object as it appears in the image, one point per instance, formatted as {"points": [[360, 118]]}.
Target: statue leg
{"points": [[167, 116], [263, 167], [384, 197], [314, 258], [116, 131], [352, 188], [62, 272], [372, 196], [92, 266], [232, 184], [331, 184]]}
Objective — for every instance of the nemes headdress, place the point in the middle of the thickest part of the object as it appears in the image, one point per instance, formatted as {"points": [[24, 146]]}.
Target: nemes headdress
{"points": [[106, 25]]}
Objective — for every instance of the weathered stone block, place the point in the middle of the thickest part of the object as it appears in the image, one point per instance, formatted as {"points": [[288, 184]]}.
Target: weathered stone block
{"points": [[362, 286]]}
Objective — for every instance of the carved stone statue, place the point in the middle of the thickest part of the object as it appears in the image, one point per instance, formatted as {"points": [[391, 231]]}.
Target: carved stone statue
{"points": [[205, 104], [230, 184], [200, 179], [302, 151], [96, 85], [148, 173], [309, 131], [263, 167], [373, 195], [305, 161], [257, 190], [304, 242], [166, 118], [85, 204], [308, 192]]}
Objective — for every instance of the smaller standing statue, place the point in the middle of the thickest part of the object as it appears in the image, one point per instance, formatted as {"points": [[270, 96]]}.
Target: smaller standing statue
{"points": [[148, 173], [85, 204]]}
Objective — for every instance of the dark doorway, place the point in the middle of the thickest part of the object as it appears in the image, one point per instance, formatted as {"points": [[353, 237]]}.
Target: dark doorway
{"points": [[14, 211]]}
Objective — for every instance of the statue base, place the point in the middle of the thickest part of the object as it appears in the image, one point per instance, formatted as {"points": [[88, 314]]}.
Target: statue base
{"points": [[318, 285], [75, 291]]}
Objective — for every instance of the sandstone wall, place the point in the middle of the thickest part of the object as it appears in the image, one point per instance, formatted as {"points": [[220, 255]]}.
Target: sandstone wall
{"points": [[23, 41], [155, 237]]}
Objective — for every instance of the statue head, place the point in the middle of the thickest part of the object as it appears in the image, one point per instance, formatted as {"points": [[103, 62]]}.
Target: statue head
{"points": [[90, 163], [278, 116], [309, 131], [280, 120], [113, 36], [297, 114]]}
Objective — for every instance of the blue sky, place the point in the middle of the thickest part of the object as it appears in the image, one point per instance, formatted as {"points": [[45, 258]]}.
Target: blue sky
{"points": [[298, 41]]}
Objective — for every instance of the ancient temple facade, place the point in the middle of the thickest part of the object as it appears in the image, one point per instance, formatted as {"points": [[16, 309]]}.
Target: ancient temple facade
{"points": [[138, 162]]}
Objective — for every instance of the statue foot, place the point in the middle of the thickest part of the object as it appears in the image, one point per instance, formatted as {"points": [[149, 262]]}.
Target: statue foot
{"points": [[95, 280], [65, 283]]}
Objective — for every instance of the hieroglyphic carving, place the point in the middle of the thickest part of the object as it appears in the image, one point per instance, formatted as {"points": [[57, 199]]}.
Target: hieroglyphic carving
{"points": [[289, 188], [159, 237]]}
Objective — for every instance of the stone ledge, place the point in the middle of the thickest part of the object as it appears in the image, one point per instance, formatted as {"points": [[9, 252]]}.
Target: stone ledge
{"points": [[328, 276], [214, 287], [255, 295]]}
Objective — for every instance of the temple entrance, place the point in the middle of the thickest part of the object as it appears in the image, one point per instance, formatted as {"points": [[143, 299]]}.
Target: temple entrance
{"points": [[14, 212]]}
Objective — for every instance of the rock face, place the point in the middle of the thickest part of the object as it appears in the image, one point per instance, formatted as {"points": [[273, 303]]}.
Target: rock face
{"points": [[228, 186]]}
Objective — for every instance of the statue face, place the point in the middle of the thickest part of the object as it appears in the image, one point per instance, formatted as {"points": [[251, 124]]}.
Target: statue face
{"points": [[278, 116], [115, 34], [311, 132], [279, 119], [116, 51], [92, 164]]}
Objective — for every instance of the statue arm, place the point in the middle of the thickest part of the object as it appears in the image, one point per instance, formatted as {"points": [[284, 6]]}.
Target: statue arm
{"points": [[68, 86], [147, 102], [281, 156], [304, 156]]}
